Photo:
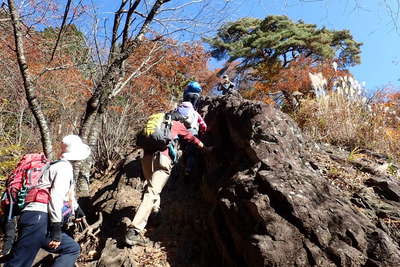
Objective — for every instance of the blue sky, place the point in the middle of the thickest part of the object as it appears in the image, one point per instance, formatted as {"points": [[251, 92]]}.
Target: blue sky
{"points": [[370, 23]]}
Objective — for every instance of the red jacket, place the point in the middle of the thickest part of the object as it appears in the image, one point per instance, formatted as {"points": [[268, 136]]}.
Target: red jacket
{"points": [[178, 130]]}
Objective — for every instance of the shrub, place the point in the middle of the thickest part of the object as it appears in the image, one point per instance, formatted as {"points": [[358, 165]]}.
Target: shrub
{"points": [[9, 156], [343, 117]]}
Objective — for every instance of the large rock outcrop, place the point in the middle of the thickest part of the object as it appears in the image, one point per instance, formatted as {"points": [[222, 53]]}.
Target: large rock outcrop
{"points": [[271, 204], [264, 196]]}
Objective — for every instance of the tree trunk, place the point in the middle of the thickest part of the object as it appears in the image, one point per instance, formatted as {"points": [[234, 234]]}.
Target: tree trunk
{"points": [[85, 166], [31, 97], [98, 103], [111, 77]]}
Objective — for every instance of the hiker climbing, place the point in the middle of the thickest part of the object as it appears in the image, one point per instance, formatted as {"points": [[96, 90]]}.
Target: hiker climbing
{"points": [[225, 86], [40, 222], [192, 93], [17, 195], [195, 123], [159, 140]]}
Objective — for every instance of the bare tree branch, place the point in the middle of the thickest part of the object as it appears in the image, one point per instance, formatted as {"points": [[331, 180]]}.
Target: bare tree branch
{"points": [[97, 48], [67, 6], [117, 22], [138, 72], [63, 67], [128, 22], [181, 6], [393, 13]]}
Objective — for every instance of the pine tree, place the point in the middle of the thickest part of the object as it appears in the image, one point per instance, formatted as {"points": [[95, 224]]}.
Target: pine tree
{"points": [[279, 40]]}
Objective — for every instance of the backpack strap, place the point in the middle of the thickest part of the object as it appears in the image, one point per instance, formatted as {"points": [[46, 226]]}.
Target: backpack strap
{"points": [[52, 163], [10, 208], [29, 176]]}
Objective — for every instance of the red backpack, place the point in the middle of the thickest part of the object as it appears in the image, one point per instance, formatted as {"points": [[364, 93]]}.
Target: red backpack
{"points": [[23, 185]]}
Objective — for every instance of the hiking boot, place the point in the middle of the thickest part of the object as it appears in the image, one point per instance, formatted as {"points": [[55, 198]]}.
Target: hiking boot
{"points": [[133, 238], [6, 250]]}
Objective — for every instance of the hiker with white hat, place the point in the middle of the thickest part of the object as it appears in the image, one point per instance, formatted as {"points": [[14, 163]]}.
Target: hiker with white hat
{"points": [[40, 223]]}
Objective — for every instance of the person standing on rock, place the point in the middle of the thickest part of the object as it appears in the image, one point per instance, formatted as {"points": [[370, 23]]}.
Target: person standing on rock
{"points": [[225, 86], [40, 224], [157, 166]]}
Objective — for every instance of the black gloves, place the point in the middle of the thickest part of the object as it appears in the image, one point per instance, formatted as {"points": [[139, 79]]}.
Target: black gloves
{"points": [[79, 213], [207, 149], [55, 231]]}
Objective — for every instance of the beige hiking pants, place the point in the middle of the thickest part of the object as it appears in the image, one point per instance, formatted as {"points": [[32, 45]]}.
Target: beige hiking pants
{"points": [[156, 169]]}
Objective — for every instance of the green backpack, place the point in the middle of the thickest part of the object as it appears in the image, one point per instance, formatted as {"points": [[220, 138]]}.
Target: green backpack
{"points": [[156, 134]]}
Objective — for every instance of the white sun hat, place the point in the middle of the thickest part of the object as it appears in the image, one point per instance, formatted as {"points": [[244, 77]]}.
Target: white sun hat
{"points": [[75, 149]]}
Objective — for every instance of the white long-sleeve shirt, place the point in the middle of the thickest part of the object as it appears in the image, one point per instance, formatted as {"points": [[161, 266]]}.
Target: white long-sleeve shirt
{"points": [[59, 178]]}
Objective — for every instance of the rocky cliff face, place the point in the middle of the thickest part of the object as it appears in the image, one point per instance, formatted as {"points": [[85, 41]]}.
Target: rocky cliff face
{"points": [[272, 203], [264, 196]]}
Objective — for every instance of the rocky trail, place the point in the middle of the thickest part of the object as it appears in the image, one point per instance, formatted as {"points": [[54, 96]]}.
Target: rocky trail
{"points": [[265, 196]]}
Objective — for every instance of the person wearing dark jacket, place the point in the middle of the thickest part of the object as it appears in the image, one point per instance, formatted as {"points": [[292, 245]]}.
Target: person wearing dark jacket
{"points": [[225, 86], [156, 168], [40, 224]]}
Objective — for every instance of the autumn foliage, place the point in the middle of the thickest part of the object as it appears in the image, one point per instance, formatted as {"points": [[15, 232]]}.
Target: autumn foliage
{"points": [[294, 78], [65, 83], [60, 84], [174, 66]]}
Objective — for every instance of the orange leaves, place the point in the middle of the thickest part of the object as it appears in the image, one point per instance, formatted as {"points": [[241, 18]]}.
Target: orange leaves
{"points": [[393, 98], [295, 77], [60, 84], [393, 133], [170, 66], [260, 86]]}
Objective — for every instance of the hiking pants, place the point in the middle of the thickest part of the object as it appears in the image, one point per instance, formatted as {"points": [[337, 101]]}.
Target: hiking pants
{"points": [[192, 98], [33, 235], [191, 157], [156, 170]]}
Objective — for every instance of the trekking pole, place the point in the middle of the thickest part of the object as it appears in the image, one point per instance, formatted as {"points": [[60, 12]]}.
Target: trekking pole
{"points": [[11, 206]]}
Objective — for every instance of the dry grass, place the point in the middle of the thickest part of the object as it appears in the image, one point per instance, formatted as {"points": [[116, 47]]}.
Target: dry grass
{"points": [[337, 119]]}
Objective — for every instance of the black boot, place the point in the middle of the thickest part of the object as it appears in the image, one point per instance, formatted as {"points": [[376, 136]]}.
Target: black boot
{"points": [[134, 238]]}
